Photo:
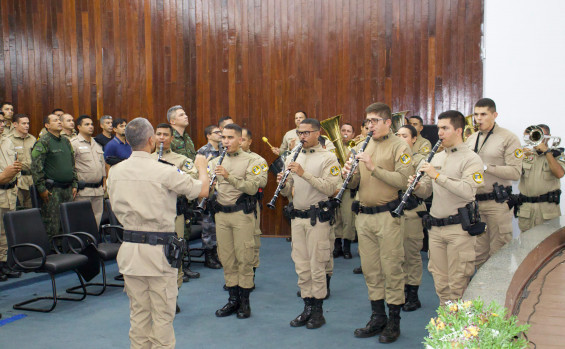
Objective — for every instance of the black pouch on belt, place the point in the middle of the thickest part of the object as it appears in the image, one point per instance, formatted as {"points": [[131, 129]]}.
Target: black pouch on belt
{"points": [[174, 250]]}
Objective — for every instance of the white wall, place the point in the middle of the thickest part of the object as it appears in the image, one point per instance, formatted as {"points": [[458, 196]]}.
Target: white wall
{"points": [[524, 63]]}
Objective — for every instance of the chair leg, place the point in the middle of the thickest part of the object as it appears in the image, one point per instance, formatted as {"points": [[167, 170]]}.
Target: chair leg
{"points": [[54, 298], [97, 284]]}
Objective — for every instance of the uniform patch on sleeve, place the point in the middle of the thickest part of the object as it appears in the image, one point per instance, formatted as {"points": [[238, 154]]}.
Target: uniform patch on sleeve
{"points": [[405, 159], [425, 149], [333, 150], [334, 171], [256, 170], [478, 177], [561, 158], [188, 164], [518, 153], [264, 167], [208, 169]]}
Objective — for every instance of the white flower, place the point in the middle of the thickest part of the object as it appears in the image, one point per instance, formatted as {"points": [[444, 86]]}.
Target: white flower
{"points": [[495, 332]]}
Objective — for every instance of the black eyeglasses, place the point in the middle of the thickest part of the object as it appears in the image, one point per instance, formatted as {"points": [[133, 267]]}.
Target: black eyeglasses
{"points": [[305, 133], [374, 121]]}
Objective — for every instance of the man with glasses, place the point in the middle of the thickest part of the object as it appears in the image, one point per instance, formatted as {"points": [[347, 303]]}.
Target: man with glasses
{"points": [[314, 177], [383, 170]]}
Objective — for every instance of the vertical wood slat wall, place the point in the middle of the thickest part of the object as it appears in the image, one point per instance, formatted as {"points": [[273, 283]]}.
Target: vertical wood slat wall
{"points": [[256, 60]]}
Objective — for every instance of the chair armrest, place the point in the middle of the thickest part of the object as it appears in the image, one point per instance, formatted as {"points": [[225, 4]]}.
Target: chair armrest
{"points": [[19, 264], [62, 237], [89, 237], [110, 226]]}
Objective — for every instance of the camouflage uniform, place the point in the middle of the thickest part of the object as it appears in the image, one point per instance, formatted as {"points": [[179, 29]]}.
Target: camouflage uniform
{"points": [[53, 158], [183, 145], [208, 224]]}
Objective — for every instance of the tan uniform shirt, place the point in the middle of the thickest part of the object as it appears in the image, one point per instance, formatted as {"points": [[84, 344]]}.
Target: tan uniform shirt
{"points": [[23, 146], [537, 178], [392, 159], [71, 137], [245, 176], [143, 193], [288, 136], [8, 128], [89, 164], [502, 153], [320, 179], [264, 168], [460, 176], [422, 145], [179, 161], [8, 197]]}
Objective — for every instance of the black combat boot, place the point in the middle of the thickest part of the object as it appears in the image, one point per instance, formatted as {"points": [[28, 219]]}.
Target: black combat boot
{"points": [[338, 251], [303, 318], [185, 278], [392, 330], [191, 274], [210, 260], [232, 305], [358, 270], [244, 310], [347, 249], [328, 278], [317, 317], [4, 269], [412, 302], [377, 322]]}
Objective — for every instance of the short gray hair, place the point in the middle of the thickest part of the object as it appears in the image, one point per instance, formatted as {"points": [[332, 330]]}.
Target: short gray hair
{"points": [[138, 131], [105, 117], [172, 111]]}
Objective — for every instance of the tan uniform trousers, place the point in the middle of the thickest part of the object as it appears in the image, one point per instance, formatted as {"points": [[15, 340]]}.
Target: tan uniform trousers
{"points": [[152, 301], [179, 229], [24, 197], [311, 255], [381, 249], [413, 232], [452, 256], [235, 234], [532, 214], [498, 218], [330, 264], [97, 205], [347, 228], [257, 238], [3, 240]]}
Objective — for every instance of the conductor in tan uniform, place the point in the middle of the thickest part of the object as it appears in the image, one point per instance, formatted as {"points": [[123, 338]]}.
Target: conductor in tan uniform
{"points": [[540, 185], [90, 166], [290, 136], [23, 143], [453, 176], [384, 168], [314, 177], [502, 155], [143, 194], [239, 177]]}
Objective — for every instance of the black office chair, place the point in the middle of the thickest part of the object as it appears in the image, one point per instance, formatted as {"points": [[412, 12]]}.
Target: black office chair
{"points": [[77, 218], [29, 250], [113, 230], [35, 198]]}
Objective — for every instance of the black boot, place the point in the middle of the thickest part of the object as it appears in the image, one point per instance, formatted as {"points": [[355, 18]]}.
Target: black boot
{"points": [[185, 278], [317, 317], [412, 302], [328, 278], [210, 261], [232, 305], [4, 269], [392, 330], [244, 310], [216, 258], [358, 270], [303, 318], [338, 251], [298, 294], [347, 249], [191, 274], [377, 322]]}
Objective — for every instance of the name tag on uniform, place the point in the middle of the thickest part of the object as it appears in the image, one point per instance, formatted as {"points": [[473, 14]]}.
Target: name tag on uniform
{"points": [[19, 147], [83, 147]]}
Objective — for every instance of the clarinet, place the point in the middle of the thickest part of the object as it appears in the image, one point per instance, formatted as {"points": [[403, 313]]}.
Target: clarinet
{"points": [[354, 166], [399, 211], [296, 151], [202, 205]]}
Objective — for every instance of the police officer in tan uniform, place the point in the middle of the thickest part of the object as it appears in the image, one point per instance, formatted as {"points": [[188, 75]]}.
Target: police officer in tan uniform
{"points": [[412, 230], [502, 155], [314, 177], [7, 110], [23, 143], [68, 130], [453, 176], [239, 177], [143, 194], [289, 136], [383, 170], [90, 167], [422, 145], [540, 185]]}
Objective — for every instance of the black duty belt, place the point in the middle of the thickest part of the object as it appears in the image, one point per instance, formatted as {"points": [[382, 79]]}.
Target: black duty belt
{"points": [[303, 213], [147, 237], [552, 196], [9, 185], [389, 206], [49, 183], [440, 222], [491, 195], [229, 209], [25, 173], [82, 185]]}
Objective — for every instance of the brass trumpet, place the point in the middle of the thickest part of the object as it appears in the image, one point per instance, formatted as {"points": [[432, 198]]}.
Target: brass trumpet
{"points": [[534, 136]]}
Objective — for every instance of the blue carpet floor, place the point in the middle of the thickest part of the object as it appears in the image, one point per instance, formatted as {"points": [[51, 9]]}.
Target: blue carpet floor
{"points": [[103, 322]]}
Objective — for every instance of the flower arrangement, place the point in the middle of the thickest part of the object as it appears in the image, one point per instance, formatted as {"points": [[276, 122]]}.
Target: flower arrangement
{"points": [[472, 324]]}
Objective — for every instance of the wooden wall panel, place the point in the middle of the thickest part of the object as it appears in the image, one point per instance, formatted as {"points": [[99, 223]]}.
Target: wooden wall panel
{"points": [[256, 60]]}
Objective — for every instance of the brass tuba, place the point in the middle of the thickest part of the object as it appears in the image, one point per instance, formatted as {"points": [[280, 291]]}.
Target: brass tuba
{"points": [[470, 127], [398, 120], [332, 128]]}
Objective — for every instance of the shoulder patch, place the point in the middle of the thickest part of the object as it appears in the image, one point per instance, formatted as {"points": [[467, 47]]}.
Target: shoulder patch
{"points": [[256, 170], [264, 167], [405, 159], [518, 153], [334, 171], [478, 177], [333, 150], [425, 149], [188, 164], [39, 147]]}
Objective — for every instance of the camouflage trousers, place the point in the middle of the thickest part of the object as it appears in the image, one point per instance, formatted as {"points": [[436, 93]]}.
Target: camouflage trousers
{"points": [[50, 210], [208, 231]]}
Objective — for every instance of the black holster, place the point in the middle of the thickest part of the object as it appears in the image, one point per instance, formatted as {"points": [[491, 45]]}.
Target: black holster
{"points": [[471, 219], [249, 203], [501, 193], [174, 250]]}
